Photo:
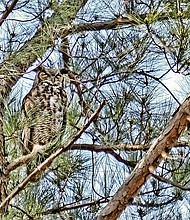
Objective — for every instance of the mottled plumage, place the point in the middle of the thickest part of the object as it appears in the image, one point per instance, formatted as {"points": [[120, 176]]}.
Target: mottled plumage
{"points": [[44, 109]]}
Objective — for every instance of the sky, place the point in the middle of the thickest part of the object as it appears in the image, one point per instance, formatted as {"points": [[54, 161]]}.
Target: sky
{"points": [[175, 82]]}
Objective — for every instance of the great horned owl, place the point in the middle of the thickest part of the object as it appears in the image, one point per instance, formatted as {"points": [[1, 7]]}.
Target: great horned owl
{"points": [[44, 109]]}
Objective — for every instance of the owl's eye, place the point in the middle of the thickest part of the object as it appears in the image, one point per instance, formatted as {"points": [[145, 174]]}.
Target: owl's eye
{"points": [[43, 76], [59, 77]]}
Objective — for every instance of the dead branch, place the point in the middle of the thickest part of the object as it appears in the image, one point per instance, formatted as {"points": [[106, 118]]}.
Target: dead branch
{"points": [[49, 160], [148, 164]]}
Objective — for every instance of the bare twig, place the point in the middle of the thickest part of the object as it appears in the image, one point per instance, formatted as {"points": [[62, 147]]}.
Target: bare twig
{"points": [[75, 206], [171, 182], [8, 11], [24, 212]]}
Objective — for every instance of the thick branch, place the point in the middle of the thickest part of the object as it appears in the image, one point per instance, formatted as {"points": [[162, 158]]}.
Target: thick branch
{"points": [[145, 168], [90, 147], [52, 157], [117, 23]]}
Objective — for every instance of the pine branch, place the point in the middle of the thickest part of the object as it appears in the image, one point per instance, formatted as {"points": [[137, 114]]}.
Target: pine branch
{"points": [[110, 149], [74, 206], [52, 157], [90, 147], [173, 183], [148, 164]]}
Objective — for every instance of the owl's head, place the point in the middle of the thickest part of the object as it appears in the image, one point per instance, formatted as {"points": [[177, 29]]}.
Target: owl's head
{"points": [[53, 76]]}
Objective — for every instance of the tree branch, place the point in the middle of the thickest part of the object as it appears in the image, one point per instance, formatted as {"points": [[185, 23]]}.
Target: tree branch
{"points": [[157, 205], [171, 182], [8, 11], [105, 148], [75, 206], [50, 159], [97, 26], [90, 147], [147, 165], [116, 23]]}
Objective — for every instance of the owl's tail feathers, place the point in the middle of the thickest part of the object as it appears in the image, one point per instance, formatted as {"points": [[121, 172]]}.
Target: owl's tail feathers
{"points": [[26, 144]]}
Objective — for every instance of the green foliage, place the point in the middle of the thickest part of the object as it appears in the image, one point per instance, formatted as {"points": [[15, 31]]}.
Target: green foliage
{"points": [[126, 57], [74, 116], [12, 131]]}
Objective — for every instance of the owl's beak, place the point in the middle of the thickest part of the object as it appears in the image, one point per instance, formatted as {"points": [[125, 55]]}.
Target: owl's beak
{"points": [[53, 79]]}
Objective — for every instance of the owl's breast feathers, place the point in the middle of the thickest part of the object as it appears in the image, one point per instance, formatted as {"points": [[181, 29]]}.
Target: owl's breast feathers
{"points": [[45, 114]]}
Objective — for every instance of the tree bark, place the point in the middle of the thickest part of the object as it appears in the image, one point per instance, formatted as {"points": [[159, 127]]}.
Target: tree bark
{"points": [[147, 165]]}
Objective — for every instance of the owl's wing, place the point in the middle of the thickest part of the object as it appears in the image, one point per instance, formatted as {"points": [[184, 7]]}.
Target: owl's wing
{"points": [[64, 108], [27, 131], [26, 135]]}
